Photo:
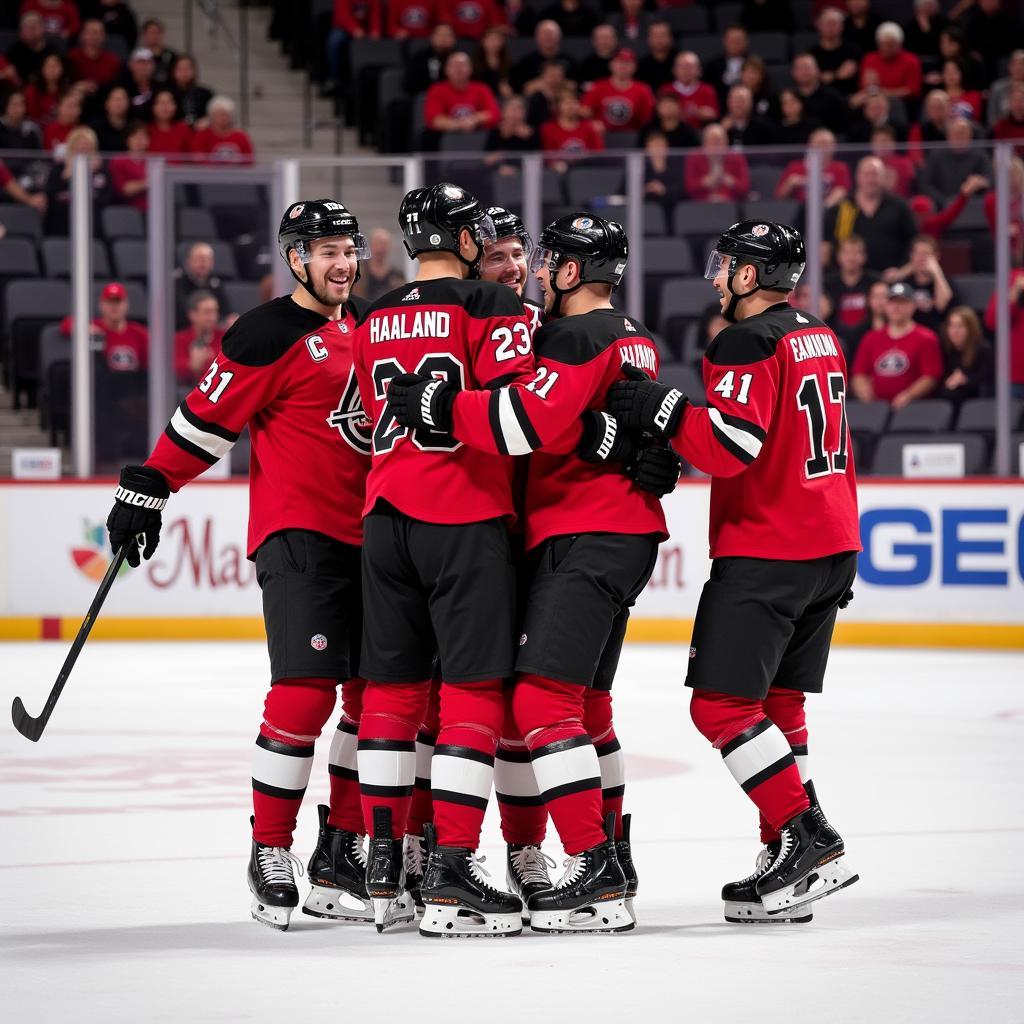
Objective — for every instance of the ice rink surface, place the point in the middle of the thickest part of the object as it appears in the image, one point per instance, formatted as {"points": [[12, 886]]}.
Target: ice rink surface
{"points": [[125, 841]]}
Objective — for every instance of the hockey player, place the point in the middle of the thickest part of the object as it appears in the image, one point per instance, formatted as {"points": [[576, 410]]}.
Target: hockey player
{"points": [[437, 574], [285, 371], [594, 538], [784, 542]]}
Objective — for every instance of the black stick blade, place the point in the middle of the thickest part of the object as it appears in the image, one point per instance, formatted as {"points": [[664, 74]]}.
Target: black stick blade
{"points": [[29, 727]]}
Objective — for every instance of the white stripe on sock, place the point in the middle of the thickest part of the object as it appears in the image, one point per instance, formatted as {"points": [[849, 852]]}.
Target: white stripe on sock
{"points": [[757, 754]]}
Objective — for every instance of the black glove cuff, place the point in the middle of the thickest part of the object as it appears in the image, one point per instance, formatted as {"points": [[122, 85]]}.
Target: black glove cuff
{"points": [[603, 439], [670, 412], [437, 403], [143, 487]]}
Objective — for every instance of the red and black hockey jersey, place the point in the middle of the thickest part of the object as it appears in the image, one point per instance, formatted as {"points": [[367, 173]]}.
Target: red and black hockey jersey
{"points": [[287, 373], [775, 440], [474, 333], [578, 359]]}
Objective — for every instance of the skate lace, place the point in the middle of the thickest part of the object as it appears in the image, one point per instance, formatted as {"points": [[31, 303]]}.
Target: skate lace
{"points": [[787, 845], [479, 872], [761, 865], [573, 869], [276, 864], [414, 856], [531, 863], [357, 849]]}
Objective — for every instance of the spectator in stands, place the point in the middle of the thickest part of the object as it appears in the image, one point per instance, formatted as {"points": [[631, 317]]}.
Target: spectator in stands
{"points": [[411, 19], [168, 133], [542, 92], [800, 297], [196, 275], [902, 362], [891, 68], [118, 20], [125, 342], [698, 101], [837, 182], [154, 39], [359, 20], [46, 87], [935, 223], [13, 189], [140, 81], [1011, 127], [663, 174], [968, 357], [921, 32], [60, 17], [1016, 297], [999, 92], [742, 126], [930, 290], [837, 58], [8, 76], [574, 18], [861, 25], [620, 102], [604, 44], [514, 134], [90, 62], [631, 22], [767, 16], [847, 288], [755, 77], [991, 32], [193, 98], [68, 118], [1016, 210], [963, 102], [875, 113], [58, 184], [16, 130], [491, 63], [458, 104], [822, 103], [547, 40], [128, 172], [427, 67], [31, 49], [709, 326], [112, 124], [220, 141], [795, 127], [723, 72], [715, 174], [899, 169], [668, 121], [569, 133], [377, 275], [197, 345], [471, 18], [953, 46], [878, 299], [933, 126], [945, 170], [655, 68], [883, 220]]}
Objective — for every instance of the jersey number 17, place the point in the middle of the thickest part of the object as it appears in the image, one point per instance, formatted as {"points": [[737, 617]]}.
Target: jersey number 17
{"points": [[813, 404]]}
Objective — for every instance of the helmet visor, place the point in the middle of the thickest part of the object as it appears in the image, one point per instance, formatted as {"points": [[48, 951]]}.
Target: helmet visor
{"points": [[717, 261], [540, 257], [485, 233], [360, 246]]}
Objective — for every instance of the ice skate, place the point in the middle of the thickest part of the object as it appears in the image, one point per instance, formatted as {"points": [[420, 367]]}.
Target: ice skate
{"points": [[743, 905], [809, 866], [624, 851], [415, 863], [337, 875], [589, 897], [272, 884], [459, 902], [527, 872], [385, 875]]}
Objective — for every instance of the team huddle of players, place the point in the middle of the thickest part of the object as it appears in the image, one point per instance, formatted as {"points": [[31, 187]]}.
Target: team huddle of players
{"points": [[455, 502]]}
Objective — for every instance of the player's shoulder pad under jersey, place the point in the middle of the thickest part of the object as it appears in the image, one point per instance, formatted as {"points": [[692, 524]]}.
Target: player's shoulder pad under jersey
{"points": [[757, 338], [357, 307], [263, 335], [575, 340]]}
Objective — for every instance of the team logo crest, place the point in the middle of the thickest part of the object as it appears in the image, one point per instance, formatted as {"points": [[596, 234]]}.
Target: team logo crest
{"points": [[295, 211], [892, 363], [350, 420], [758, 230], [453, 192], [619, 110], [318, 642], [583, 223], [693, 653]]}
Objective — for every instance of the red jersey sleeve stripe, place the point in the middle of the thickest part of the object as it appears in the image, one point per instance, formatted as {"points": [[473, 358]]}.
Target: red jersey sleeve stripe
{"points": [[510, 424], [739, 437], [208, 426]]}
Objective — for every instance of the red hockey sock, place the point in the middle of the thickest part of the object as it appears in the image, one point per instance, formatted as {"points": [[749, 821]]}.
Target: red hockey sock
{"points": [[392, 714], [346, 810], [422, 809], [524, 817], [597, 720], [754, 751], [293, 715], [550, 716], [463, 767]]}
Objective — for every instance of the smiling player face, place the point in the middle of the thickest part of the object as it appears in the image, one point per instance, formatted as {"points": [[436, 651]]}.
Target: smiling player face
{"points": [[504, 261], [331, 269]]}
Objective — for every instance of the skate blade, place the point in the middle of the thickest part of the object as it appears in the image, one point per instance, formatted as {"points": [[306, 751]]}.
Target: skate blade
{"points": [[630, 910], [608, 917], [754, 913], [822, 881], [273, 917], [454, 921], [334, 904], [387, 913]]}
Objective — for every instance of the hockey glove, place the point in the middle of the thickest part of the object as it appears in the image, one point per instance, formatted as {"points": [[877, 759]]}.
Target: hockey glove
{"points": [[418, 401], [645, 405], [138, 502], [656, 470], [604, 440]]}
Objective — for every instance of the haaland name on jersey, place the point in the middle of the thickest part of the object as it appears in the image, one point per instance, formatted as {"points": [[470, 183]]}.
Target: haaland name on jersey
{"points": [[401, 326], [812, 346]]}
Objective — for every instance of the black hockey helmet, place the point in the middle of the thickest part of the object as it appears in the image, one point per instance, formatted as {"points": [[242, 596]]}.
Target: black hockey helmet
{"points": [[776, 251], [598, 246], [510, 225], [309, 219], [432, 219]]}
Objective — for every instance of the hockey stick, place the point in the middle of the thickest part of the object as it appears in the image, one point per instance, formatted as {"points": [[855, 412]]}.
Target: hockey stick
{"points": [[32, 728]]}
